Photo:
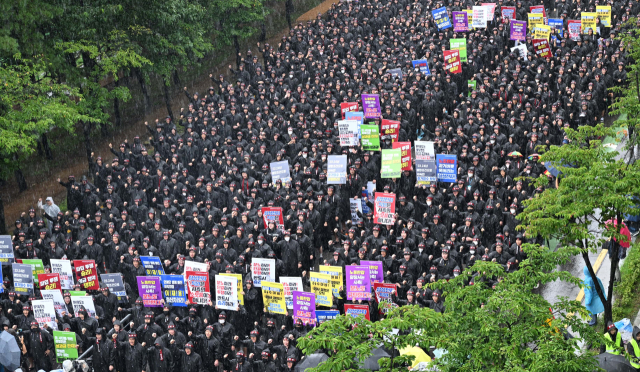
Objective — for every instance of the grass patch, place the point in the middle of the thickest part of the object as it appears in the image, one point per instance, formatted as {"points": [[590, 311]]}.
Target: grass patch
{"points": [[627, 301]]}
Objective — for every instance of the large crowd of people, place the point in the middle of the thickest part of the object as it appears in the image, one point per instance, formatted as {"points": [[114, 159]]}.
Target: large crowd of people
{"points": [[193, 189]]}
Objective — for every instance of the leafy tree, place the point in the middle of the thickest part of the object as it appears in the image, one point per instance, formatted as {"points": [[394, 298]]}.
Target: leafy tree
{"points": [[496, 324], [237, 20]]}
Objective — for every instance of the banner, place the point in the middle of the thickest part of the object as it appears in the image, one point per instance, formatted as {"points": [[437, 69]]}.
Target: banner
{"points": [[79, 302], [304, 307], [441, 17], [198, 288], [604, 12], [558, 25], [336, 169], [395, 73], [461, 45], [425, 162], [173, 289], [480, 17], [336, 277], [263, 269], [452, 61], [518, 30], [355, 206], [273, 214], [542, 48], [324, 315], [355, 311], [45, 313], [390, 128], [150, 290], [541, 32], [199, 267], [588, 20], [348, 132], [240, 288], [384, 208], [538, 9], [58, 301], [460, 22], [347, 107], [290, 284], [534, 19], [358, 282], [6, 250], [574, 27], [422, 65], [280, 171], [226, 292], [38, 268], [508, 13], [370, 137], [371, 106], [152, 265], [66, 346], [22, 279], [116, 285], [447, 168], [384, 296], [405, 154], [63, 267], [273, 297], [86, 274], [321, 287], [49, 281], [391, 163], [376, 270]]}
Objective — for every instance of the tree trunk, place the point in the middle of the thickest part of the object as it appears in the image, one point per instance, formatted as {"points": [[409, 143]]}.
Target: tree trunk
{"points": [[46, 148], [176, 78], [22, 183], [289, 11], [3, 223], [236, 44], [116, 108], [86, 131], [167, 100], [143, 87]]}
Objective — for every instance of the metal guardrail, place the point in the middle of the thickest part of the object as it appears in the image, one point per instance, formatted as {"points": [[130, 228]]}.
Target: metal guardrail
{"points": [[86, 352]]}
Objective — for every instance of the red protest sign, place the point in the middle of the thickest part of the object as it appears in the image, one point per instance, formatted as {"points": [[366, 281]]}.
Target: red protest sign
{"points": [[49, 281], [357, 310], [86, 274], [384, 208], [384, 295], [273, 214], [452, 61], [348, 107], [405, 148], [390, 128], [538, 9], [198, 287], [541, 47]]}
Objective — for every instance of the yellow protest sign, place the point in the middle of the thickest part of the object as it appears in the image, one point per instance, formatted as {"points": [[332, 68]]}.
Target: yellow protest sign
{"points": [[541, 32], [240, 289], [604, 12], [469, 17], [336, 277], [588, 20], [535, 19], [321, 287], [273, 297]]}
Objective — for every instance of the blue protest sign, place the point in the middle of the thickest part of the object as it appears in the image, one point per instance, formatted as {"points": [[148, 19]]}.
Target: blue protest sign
{"points": [[324, 315], [337, 169], [423, 65], [22, 279], [447, 167], [6, 250], [558, 25], [280, 171], [441, 17], [152, 265], [173, 290], [116, 285]]}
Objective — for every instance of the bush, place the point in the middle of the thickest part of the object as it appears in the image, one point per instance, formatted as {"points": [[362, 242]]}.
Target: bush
{"points": [[627, 299]]}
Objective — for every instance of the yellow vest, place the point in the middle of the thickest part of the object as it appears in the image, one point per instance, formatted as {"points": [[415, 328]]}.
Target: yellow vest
{"points": [[636, 351], [611, 347]]}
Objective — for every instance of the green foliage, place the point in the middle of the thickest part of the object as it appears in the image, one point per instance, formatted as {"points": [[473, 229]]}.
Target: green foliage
{"points": [[506, 328], [237, 18], [626, 305]]}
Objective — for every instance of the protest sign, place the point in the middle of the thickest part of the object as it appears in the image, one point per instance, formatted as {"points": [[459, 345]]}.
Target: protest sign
{"points": [[538, 9], [355, 115], [508, 13], [63, 267], [173, 289], [390, 128], [272, 214], [588, 21], [534, 19], [56, 296], [150, 290], [22, 279], [198, 288], [195, 266], [240, 289], [541, 48], [391, 163], [49, 281], [347, 107], [384, 208], [355, 206], [116, 285], [77, 293], [336, 277], [384, 293], [273, 297], [6, 250], [358, 282], [461, 45], [290, 284], [226, 292], [447, 170], [371, 106], [469, 17], [395, 73], [321, 287], [471, 84], [452, 61], [422, 65], [425, 162], [558, 25], [521, 50], [263, 269], [460, 22], [348, 132], [356, 310], [280, 171], [337, 169], [324, 315], [37, 266], [541, 32], [152, 265], [480, 17], [45, 313], [441, 18], [85, 302], [86, 274], [66, 346], [304, 307], [376, 270], [405, 154], [518, 30], [370, 137], [574, 27], [604, 12]]}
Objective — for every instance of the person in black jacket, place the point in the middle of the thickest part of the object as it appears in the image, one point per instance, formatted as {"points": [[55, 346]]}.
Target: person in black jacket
{"points": [[40, 345], [135, 356], [160, 358], [190, 361], [149, 331], [103, 354]]}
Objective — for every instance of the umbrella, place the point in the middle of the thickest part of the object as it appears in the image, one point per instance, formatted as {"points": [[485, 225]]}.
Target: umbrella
{"points": [[553, 170], [371, 363], [530, 157], [421, 358], [311, 361], [9, 351], [614, 363], [514, 153]]}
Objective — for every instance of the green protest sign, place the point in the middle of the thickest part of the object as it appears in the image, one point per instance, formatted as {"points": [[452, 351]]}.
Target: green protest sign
{"points": [[370, 137], [38, 268], [391, 163], [472, 86], [461, 45], [77, 293], [66, 346]]}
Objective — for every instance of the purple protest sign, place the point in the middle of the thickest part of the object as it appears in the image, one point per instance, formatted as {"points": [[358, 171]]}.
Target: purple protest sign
{"points": [[371, 106], [358, 282], [376, 272], [460, 21], [304, 307], [518, 30], [150, 291]]}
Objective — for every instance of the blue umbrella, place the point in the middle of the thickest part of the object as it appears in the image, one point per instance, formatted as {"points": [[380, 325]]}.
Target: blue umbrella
{"points": [[553, 170], [9, 351]]}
